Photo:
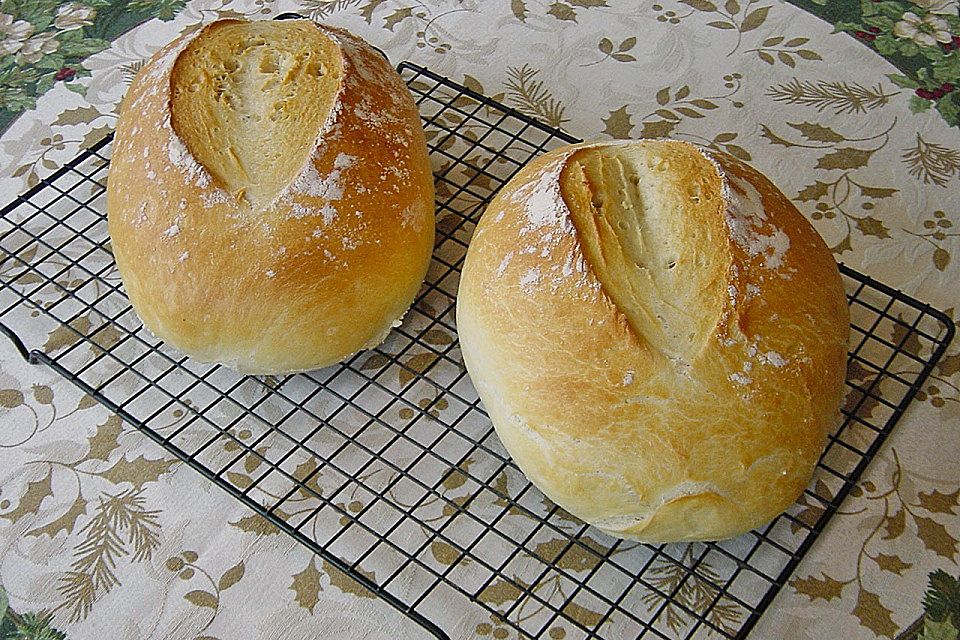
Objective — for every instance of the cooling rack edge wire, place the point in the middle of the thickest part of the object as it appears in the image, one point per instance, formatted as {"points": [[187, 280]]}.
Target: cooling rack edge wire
{"points": [[939, 343]]}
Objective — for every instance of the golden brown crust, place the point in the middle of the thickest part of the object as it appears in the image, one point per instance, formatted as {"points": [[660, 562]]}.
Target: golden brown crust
{"points": [[289, 283], [693, 408]]}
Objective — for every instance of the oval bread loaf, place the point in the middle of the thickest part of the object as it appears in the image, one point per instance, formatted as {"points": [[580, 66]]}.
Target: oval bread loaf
{"points": [[270, 198], [658, 335]]}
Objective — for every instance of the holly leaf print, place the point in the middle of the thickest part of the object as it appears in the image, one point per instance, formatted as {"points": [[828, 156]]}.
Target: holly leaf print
{"points": [[845, 158], [825, 588], [870, 226], [873, 615], [346, 583], [935, 537], [816, 132], [893, 564], [519, 8], [937, 502], [562, 11], [617, 124], [138, 471], [66, 522], [813, 191], [894, 525], [306, 586], [768, 133], [36, 492], [397, 17]]}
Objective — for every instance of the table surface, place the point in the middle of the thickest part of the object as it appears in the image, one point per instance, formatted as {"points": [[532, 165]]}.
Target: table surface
{"points": [[853, 108]]}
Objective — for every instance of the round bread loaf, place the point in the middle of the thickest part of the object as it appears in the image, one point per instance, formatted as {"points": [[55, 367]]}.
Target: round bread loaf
{"points": [[658, 335], [270, 197]]}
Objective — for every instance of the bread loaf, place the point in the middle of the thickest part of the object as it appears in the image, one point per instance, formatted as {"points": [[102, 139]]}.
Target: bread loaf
{"points": [[270, 198], [658, 335]]}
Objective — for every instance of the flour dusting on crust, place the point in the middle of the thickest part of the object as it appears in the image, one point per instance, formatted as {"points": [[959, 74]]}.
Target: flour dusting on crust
{"points": [[749, 226]]}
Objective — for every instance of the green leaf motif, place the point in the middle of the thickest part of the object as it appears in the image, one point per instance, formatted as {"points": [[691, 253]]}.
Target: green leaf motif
{"points": [[4, 603], [902, 81], [918, 104], [937, 631], [941, 601]]}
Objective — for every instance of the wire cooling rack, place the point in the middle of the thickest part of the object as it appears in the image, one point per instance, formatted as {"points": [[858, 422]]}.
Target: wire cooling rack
{"points": [[386, 466]]}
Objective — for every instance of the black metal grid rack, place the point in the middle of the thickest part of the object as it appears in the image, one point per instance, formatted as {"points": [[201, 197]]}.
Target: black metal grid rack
{"points": [[386, 466]]}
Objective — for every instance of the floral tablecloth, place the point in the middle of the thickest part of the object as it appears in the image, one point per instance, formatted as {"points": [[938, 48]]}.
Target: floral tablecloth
{"points": [[852, 107]]}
